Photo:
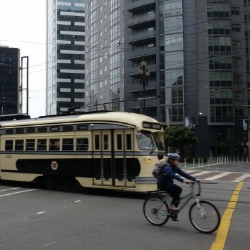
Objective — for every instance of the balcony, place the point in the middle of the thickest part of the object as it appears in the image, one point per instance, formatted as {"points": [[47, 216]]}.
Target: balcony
{"points": [[137, 104], [141, 53], [141, 37], [141, 20], [138, 87], [139, 5], [134, 71]]}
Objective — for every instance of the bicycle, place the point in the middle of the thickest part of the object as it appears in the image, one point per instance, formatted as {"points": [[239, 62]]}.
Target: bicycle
{"points": [[206, 219]]}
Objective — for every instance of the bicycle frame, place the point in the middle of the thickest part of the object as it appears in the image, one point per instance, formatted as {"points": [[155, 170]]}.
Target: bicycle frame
{"points": [[188, 197]]}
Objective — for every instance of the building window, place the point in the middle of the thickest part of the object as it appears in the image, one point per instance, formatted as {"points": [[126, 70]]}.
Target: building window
{"points": [[106, 68], [101, 21], [237, 78], [100, 59], [100, 84], [106, 15], [101, 34], [106, 55], [106, 28], [235, 10], [237, 61], [238, 96], [239, 112], [106, 81], [236, 27], [236, 44], [101, 8]]}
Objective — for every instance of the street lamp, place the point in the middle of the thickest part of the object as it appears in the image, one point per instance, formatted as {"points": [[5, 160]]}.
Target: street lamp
{"points": [[144, 73]]}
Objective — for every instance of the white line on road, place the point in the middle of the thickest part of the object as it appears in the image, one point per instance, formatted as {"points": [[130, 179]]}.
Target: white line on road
{"points": [[241, 178], [8, 189], [41, 212], [29, 190], [217, 176], [202, 173], [190, 171], [78, 201]]}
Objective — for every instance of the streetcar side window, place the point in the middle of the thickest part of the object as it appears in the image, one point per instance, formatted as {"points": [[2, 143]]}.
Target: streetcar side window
{"points": [[105, 142], [54, 144], [129, 141], [67, 144], [9, 145], [97, 142], [119, 141], [19, 145], [30, 144], [42, 144], [82, 144]]}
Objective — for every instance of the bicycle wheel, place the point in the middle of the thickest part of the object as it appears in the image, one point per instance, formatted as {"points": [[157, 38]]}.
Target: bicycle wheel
{"points": [[206, 218], [155, 210]]}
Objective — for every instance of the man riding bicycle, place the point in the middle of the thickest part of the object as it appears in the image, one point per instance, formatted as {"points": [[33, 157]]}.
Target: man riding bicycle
{"points": [[167, 176]]}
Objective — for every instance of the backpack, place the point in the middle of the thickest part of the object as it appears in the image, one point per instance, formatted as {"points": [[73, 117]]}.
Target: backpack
{"points": [[158, 167]]}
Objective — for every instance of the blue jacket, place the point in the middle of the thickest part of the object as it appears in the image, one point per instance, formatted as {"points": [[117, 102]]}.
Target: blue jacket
{"points": [[168, 174]]}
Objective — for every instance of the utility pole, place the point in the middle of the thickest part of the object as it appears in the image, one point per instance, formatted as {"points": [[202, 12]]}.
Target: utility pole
{"points": [[144, 73], [21, 85]]}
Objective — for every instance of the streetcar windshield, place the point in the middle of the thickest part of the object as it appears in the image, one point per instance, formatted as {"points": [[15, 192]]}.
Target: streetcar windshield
{"points": [[145, 142], [158, 142]]}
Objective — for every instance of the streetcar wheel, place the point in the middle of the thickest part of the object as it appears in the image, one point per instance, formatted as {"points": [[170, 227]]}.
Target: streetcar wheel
{"points": [[50, 182], [205, 219], [155, 210]]}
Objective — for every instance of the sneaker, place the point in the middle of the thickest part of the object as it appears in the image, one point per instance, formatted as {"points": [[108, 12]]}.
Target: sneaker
{"points": [[173, 207]]}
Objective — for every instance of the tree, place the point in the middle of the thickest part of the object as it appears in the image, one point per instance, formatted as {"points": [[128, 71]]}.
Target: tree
{"points": [[179, 137]]}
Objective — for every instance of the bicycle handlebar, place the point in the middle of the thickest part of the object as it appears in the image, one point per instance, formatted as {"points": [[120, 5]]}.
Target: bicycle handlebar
{"points": [[199, 188]]}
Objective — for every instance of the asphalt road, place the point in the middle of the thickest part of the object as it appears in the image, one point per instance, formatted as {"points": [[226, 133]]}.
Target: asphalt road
{"points": [[34, 218]]}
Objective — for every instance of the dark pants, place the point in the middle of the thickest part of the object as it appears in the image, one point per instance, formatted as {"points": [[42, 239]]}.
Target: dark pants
{"points": [[173, 190]]}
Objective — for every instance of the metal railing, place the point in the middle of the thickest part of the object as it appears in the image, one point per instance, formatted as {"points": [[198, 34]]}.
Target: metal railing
{"points": [[140, 36], [141, 19], [139, 3], [142, 52]]}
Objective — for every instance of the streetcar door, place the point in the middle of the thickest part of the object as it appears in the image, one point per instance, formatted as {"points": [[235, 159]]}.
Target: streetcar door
{"points": [[102, 157], [124, 169]]}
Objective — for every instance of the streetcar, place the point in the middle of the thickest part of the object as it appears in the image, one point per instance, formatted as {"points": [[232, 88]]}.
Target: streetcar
{"points": [[101, 149]]}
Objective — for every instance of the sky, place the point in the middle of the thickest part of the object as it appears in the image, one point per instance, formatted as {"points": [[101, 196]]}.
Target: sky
{"points": [[23, 26]]}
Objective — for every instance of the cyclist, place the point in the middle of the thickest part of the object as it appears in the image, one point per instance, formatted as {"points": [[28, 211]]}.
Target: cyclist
{"points": [[168, 174]]}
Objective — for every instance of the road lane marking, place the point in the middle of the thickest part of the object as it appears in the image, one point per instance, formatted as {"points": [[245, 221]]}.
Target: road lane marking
{"points": [[9, 189], [217, 176], [221, 236], [78, 201], [190, 171], [202, 173], [241, 178], [42, 212], [29, 190]]}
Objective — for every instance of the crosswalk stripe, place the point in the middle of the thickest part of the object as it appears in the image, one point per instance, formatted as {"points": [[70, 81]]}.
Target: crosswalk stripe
{"points": [[190, 171], [217, 176], [202, 173], [241, 178]]}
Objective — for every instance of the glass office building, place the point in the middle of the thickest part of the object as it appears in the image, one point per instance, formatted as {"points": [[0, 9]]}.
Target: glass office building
{"points": [[104, 54], [9, 80], [65, 53]]}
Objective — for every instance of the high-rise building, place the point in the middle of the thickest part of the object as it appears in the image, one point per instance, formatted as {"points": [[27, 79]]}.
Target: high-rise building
{"points": [[65, 53], [9, 80], [197, 53], [104, 54]]}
